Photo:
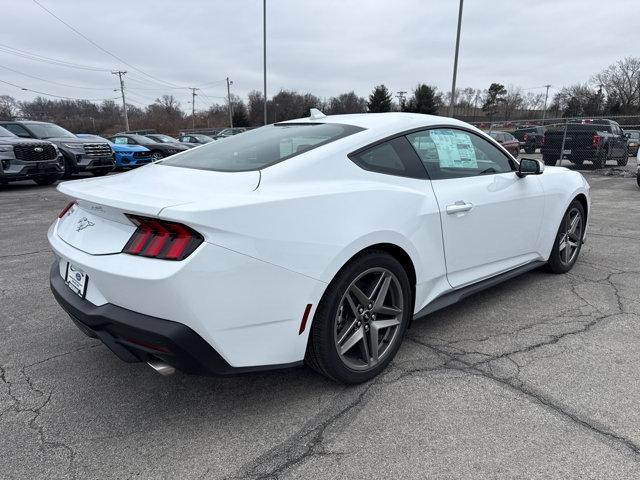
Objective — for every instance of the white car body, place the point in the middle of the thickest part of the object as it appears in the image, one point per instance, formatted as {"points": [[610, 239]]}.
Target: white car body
{"points": [[275, 238]]}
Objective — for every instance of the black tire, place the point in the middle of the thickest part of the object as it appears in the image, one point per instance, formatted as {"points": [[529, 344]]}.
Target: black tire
{"points": [[556, 263], [156, 155], [601, 159], [68, 168], [322, 352], [622, 162], [638, 178], [529, 149], [549, 160], [48, 180]]}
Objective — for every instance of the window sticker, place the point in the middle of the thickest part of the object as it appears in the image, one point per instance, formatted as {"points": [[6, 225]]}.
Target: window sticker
{"points": [[455, 149]]}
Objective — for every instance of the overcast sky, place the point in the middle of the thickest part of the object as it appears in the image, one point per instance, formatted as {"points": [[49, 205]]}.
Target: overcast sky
{"points": [[324, 47]]}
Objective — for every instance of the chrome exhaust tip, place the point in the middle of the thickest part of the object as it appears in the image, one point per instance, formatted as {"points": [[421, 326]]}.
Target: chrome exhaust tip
{"points": [[162, 368]]}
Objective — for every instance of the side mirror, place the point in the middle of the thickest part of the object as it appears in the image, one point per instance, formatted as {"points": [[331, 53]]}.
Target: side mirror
{"points": [[529, 166]]}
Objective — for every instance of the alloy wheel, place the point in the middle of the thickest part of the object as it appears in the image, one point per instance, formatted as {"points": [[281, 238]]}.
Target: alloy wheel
{"points": [[571, 236], [368, 318]]}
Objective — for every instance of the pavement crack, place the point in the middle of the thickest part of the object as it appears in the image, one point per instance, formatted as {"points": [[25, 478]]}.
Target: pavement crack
{"points": [[514, 384]]}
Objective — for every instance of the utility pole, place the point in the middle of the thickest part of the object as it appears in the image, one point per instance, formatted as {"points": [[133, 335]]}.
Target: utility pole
{"points": [[544, 109], [120, 73], [400, 96], [455, 62], [193, 106], [229, 83], [264, 55]]}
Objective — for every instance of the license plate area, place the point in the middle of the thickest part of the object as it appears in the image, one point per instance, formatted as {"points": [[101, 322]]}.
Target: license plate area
{"points": [[76, 280]]}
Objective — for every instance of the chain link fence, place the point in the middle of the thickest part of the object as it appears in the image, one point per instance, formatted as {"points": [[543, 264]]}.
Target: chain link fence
{"points": [[594, 142]]}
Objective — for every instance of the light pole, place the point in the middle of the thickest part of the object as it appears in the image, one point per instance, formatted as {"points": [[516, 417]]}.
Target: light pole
{"points": [[229, 83], [544, 109], [455, 62], [264, 56]]}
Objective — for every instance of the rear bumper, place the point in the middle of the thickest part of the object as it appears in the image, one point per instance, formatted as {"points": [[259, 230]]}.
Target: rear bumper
{"points": [[135, 337]]}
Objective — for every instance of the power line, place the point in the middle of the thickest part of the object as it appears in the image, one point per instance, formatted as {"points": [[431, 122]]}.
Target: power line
{"points": [[104, 50], [52, 95], [49, 60], [52, 82]]}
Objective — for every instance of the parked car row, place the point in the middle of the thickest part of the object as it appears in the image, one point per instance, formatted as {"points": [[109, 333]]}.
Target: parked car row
{"points": [[45, 152]]}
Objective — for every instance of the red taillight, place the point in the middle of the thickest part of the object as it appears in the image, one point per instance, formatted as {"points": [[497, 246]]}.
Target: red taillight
{"points": [[161, 239], [542, 140], [595, 141], [64, 211]]}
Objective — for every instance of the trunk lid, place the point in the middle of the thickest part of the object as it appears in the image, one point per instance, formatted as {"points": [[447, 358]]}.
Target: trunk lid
{"points": [[97, 224]]}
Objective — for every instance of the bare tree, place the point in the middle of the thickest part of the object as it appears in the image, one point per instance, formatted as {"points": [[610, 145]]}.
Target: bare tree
{"points": [[8, 107], [621, 80], [512, 101]]}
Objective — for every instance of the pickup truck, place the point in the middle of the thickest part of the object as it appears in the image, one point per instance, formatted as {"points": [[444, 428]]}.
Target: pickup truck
{"points": [[530, 137], [597, 141]]}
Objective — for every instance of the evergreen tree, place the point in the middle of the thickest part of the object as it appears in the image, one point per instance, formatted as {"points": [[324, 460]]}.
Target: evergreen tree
{"points": [[424, 100], [495, 96], [379, 100]]}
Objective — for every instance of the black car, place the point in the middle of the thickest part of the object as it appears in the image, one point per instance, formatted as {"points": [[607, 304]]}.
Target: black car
{"points": [[158, 150], [195, 138], [633, 142], [162, 138], [28, 159], [80, 154], [530, 137]]}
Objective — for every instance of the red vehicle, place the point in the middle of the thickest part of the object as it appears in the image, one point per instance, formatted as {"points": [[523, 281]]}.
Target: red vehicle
{"points": [[508, 141]]}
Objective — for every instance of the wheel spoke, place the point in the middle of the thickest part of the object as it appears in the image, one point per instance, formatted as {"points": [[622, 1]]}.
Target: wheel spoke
{"points": [[574, 224], [364, 350], [373, 344], [352, 305], [376, 287], [380, 324], [352, 340], [346, 331], [382, 294], [362, 298]]}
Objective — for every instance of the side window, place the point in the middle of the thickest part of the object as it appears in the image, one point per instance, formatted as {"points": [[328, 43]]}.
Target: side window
{"points": [[119, 140], [450, 153], [393, 157], [19, 130]]}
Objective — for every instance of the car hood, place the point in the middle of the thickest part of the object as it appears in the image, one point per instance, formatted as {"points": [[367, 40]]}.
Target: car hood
{"points": [[128, 148], [73, 140], [150, 189], [17, 140], [167, 146]]}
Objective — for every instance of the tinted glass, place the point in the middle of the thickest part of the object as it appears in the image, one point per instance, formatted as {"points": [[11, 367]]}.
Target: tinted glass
{"points": [[49, 130], [450, 153], [393, 157], [6, 133], [261, 147], [17, 129]]}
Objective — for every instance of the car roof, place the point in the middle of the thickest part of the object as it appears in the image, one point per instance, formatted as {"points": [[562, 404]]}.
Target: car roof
{"points": [[384, 123]]}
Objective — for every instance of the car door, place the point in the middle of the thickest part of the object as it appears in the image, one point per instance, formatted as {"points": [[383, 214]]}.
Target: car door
{"points": [[490, 217]]}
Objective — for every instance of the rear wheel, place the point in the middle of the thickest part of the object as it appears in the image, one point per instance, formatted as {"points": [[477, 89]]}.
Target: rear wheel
{"points": [[568, 242], [67, 165], [361, 319]]}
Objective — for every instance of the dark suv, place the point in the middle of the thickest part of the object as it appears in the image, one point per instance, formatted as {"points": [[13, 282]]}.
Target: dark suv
{"points": [[80, 154], [22, 159]]}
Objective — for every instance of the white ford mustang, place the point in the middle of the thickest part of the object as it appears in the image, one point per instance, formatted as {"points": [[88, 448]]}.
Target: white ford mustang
{"points": [[315, 240]]}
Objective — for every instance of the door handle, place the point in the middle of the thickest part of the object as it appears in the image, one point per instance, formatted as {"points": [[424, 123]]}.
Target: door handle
{"points": [[459, 207]]}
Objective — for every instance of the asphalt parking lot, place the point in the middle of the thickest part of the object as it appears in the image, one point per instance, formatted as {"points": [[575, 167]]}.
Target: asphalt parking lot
{"points": [[535, 378]]}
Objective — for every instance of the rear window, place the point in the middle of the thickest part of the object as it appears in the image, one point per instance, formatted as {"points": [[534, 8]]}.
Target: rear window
{"points": [[259, 148], [579, 128]]}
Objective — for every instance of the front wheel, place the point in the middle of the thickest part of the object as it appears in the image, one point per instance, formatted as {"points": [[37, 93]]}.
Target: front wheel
{"points": [[361, 319], [155, 156], [48, 180], [568, 243]]}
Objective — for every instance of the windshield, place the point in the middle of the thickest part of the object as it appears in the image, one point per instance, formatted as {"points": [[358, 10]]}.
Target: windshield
{"points": [[49, 130], [163, 138], [141, 139], [634, 134], [6, 133], [203, 138], [261, 147]]}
